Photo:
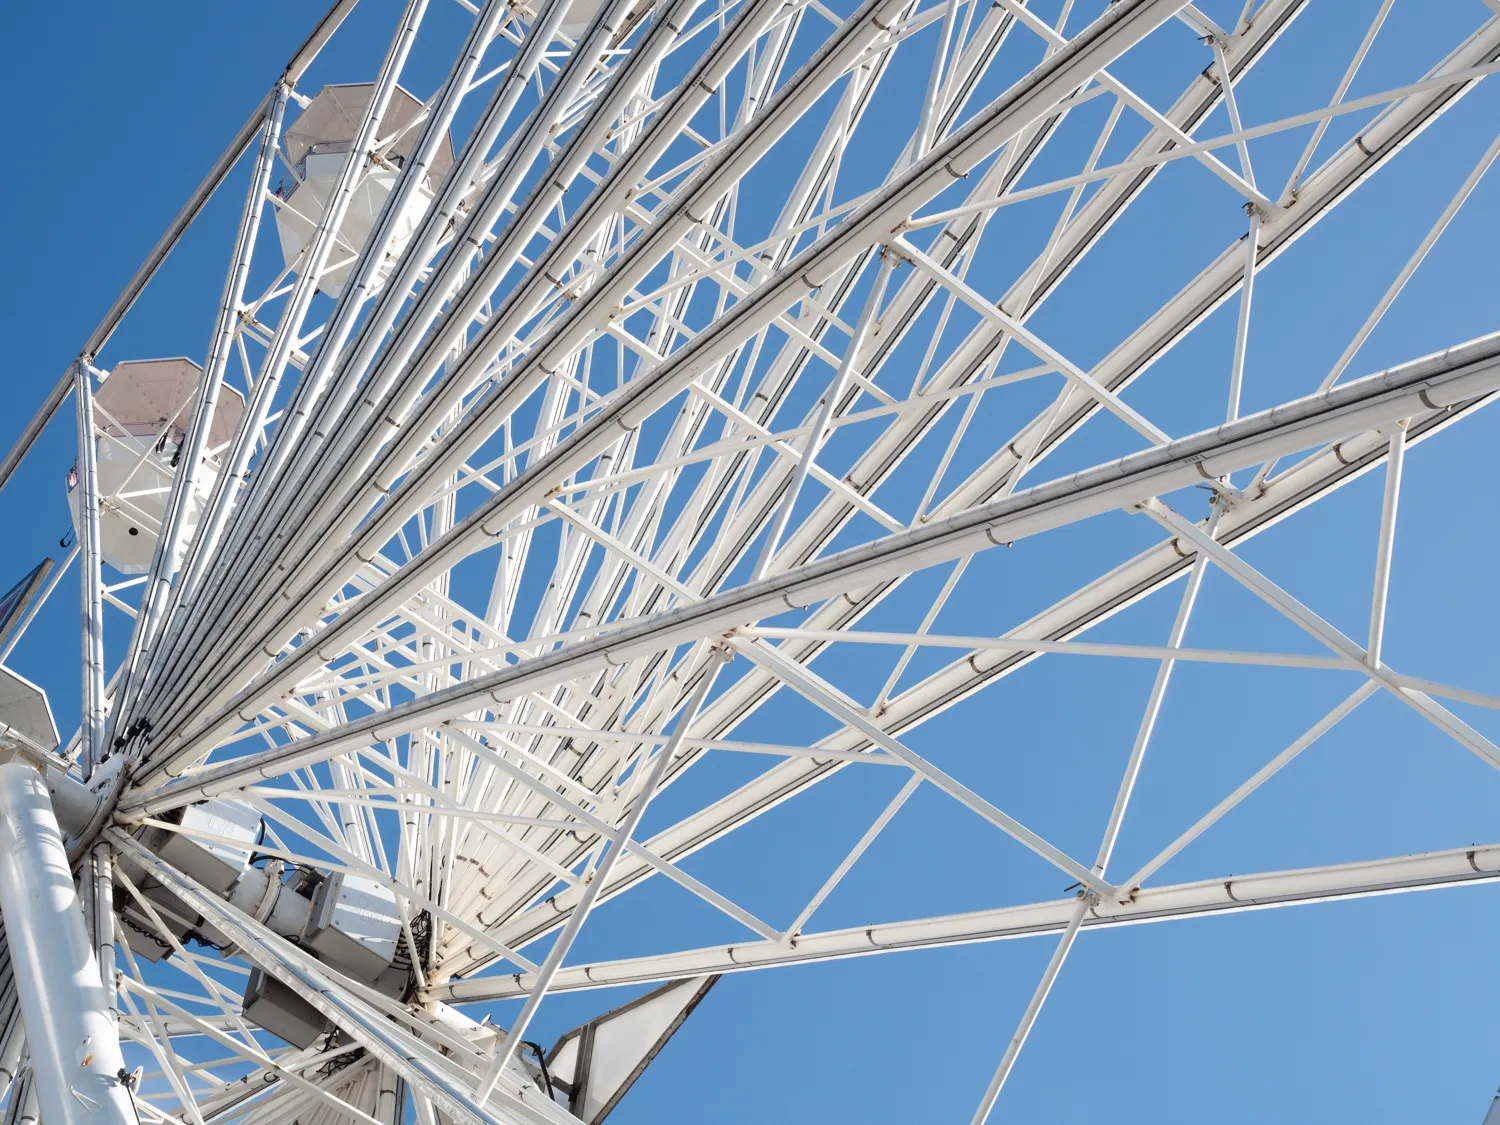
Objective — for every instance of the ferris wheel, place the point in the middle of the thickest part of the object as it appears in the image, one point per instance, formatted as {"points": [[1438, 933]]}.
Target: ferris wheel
{"points": [[716, 488]]}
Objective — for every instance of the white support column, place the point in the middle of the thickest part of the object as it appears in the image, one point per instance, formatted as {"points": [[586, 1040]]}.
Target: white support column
{"points": [[12, 1045], [390, 1097], [75, 1050]]}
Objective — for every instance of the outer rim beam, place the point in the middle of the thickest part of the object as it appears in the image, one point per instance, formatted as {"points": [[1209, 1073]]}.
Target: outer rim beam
{"points": [[1422, 871]]}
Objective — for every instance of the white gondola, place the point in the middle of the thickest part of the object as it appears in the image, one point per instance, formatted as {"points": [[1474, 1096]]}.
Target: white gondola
{"points": [[140, 418], [580, 14], [317, 146]]}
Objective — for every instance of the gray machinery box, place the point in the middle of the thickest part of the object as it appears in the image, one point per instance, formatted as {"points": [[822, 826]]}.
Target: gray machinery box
{"points": [[281, 1011], [354, 925]]}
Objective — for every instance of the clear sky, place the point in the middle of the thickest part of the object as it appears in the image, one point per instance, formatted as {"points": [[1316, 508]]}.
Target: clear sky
{"points": [[1379, 1010]]}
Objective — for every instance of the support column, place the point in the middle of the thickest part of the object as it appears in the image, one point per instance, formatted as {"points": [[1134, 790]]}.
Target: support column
{"points": [[75, 1049]]}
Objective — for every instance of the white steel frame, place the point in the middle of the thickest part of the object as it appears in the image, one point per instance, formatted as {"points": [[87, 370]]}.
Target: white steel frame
{"points": [[608, 459]]}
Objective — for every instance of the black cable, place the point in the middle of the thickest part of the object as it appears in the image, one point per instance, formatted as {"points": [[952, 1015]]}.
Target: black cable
{"points": [[541, 1060]]}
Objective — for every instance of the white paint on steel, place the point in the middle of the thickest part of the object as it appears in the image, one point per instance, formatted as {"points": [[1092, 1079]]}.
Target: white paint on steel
{"points": [[583, 412], [75, 1050]]}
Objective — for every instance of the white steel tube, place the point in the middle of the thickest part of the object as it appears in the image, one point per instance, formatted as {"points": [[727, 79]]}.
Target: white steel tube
{"points": [[390, 1100], [12, 1044], [23, 1108], [1242, 326], [75, 1050], [1028, 1018], [1429, 240], [855, 852], [91, 589], [101, 868], [1225, 895], [1233, 109], [1287, 192], [1153, 708], [935, 81], [1382, 585]]}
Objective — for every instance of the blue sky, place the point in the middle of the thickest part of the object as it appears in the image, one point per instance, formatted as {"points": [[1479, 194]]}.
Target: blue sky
{"points": [[1376, 1010]]}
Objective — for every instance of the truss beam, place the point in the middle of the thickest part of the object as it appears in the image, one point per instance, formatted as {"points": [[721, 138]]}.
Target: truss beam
{"points": [[1208, 897]]}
